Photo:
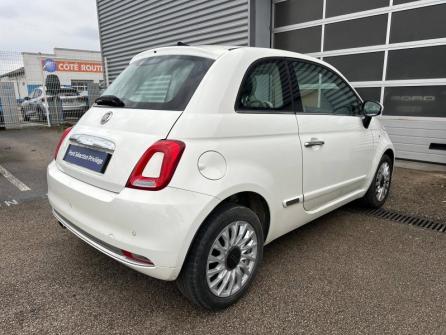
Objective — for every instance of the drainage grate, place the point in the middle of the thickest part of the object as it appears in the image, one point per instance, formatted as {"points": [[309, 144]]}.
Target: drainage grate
{"points": [[407, 219]]}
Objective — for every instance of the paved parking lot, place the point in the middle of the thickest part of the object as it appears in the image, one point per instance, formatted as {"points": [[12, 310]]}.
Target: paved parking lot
{"points": [[346, 273]]}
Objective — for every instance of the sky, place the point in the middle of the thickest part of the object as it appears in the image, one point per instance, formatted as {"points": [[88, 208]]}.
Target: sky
{"points": [[41, 25]]}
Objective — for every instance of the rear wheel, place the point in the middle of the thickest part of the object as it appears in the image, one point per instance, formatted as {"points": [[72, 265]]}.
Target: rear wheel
{"points": [[223, 259], [379, 189]]}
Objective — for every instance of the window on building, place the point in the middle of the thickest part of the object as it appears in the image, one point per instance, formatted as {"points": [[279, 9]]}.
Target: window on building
{"points": [[359, 67], [323, 91], [361, 32], [300, 40], [297, 11], [369, 93], [416, 63], [426, 101], [340, 7], [433, 24]]}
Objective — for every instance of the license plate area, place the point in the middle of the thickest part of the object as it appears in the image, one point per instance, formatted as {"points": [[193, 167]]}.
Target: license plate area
{"points": [[91, 159]]}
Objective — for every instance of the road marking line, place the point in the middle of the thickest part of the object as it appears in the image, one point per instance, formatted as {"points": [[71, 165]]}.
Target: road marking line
{"points": [[13, 180], [11, 202]]}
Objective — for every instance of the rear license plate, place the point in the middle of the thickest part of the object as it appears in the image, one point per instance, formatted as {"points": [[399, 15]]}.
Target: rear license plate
{"points": [[91, 159]]}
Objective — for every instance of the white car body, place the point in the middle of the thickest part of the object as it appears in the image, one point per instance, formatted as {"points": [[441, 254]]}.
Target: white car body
{"points": [[226, 153]]}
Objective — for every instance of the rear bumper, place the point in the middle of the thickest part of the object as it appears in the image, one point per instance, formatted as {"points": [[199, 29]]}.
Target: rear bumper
{"points": [[157, 225]]}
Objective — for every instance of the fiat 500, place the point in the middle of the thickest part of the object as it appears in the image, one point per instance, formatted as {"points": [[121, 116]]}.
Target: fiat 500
{"points": [[194, 158]]}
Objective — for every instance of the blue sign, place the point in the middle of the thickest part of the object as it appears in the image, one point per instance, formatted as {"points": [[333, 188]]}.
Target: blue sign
{"points": [[94, 160], [49, 65]]}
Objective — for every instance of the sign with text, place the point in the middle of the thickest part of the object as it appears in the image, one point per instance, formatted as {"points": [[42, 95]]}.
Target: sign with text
{"points": [[51, 65]]}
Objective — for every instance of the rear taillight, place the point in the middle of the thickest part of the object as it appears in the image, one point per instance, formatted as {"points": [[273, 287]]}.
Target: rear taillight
{"points": [[157, 165], [62, 137]]}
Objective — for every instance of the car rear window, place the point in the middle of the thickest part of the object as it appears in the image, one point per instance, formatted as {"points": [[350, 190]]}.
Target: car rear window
{"points": [[160, 82]]}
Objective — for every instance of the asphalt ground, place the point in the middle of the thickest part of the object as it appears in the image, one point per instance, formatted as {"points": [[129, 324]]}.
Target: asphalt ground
{"points": [[345, 273]]}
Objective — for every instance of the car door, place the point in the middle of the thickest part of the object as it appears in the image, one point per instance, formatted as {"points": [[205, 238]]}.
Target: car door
{"points": [[337, 150]]}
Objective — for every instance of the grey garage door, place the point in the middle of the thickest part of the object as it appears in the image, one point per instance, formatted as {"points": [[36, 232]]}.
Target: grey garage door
{"points": [[391, 50]]}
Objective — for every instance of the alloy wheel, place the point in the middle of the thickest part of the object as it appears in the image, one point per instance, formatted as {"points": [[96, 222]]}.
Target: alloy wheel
{"points": [[232, 259], [382, 181]]}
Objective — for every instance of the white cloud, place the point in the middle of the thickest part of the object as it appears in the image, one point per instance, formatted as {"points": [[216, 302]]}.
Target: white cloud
{"points": [[39, 26]]}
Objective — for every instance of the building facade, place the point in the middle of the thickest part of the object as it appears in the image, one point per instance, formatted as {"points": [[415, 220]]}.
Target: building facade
{"points": [[74, 68], [391, 50]]}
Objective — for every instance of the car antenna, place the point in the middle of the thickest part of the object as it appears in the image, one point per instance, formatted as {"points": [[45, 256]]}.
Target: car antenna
{"points": [[182, 44]]}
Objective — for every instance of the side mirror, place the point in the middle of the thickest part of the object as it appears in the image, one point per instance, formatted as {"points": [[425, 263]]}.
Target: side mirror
{"points": [[26, 98], [371, 108]]}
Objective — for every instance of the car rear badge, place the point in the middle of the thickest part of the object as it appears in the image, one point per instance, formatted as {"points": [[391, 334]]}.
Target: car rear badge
{"points": [[106, 117]]}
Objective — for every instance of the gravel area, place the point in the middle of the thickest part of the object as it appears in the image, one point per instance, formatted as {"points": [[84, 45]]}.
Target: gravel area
{"points": [[420, 193], [345, 273]]}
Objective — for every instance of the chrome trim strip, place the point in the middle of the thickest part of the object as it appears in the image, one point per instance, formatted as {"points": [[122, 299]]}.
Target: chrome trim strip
{"points": [[93, 142], [291, 201], [103, 247]]}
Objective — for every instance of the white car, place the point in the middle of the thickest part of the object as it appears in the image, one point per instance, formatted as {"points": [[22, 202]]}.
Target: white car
{"points": [[196, 157]]}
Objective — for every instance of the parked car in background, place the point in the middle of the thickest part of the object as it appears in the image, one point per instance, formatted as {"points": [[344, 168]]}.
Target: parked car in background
{"points": [[72, 103], [196, 157]]}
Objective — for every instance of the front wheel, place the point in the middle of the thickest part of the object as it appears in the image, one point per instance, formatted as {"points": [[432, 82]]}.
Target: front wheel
{"points": [[24, 115], [223, 259], [41, 115], [379, 188]]}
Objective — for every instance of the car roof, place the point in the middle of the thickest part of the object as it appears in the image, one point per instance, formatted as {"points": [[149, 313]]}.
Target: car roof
{"points": [[207, 51], [216, 51]]}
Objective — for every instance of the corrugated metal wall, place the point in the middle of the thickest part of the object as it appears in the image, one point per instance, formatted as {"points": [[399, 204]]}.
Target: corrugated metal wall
{"points": [[128, 27]]}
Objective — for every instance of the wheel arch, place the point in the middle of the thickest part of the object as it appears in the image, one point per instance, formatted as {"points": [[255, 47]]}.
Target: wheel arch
{"points": [[250, 199], [389, 152]]}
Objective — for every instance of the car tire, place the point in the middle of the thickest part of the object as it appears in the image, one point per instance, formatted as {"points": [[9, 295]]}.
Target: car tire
{"points": [[379, 188], [40, 115], [24, 116], [224, 256]]}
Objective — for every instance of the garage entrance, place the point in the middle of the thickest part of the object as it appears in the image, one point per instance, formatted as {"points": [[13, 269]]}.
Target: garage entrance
{"points": [[387, 57]]}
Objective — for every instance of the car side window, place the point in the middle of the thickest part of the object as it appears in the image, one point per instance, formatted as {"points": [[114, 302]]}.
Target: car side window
{"points": [[265, 88], [324, 92]]}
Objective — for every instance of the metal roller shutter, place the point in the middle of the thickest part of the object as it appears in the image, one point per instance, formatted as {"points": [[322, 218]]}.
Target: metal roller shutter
{"points": [[128, 27]]}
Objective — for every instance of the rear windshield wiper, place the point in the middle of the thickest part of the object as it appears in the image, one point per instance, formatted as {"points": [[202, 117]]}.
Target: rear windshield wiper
{"points": [[110, 100]]}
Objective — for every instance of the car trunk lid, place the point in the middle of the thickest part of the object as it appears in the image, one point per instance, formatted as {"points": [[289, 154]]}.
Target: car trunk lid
{"points": [[125, 135]]}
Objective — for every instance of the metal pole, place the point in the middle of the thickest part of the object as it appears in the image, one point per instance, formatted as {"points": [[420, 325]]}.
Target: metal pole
{"points": [[42, 76], [107, 82]]}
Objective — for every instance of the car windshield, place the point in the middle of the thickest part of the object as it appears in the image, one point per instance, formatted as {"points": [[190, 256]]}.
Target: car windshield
{"points": [[160, 82]]}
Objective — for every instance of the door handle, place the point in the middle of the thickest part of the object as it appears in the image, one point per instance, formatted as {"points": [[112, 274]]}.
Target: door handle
{"points": [[313, 142]]}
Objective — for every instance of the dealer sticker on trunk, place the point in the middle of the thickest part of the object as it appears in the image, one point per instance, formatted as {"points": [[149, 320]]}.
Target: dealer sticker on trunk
{"points": [[91, 159]]}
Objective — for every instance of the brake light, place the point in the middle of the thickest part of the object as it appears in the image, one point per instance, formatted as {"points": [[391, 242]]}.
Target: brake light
{"points": [[156, 166], [62, 137]]}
